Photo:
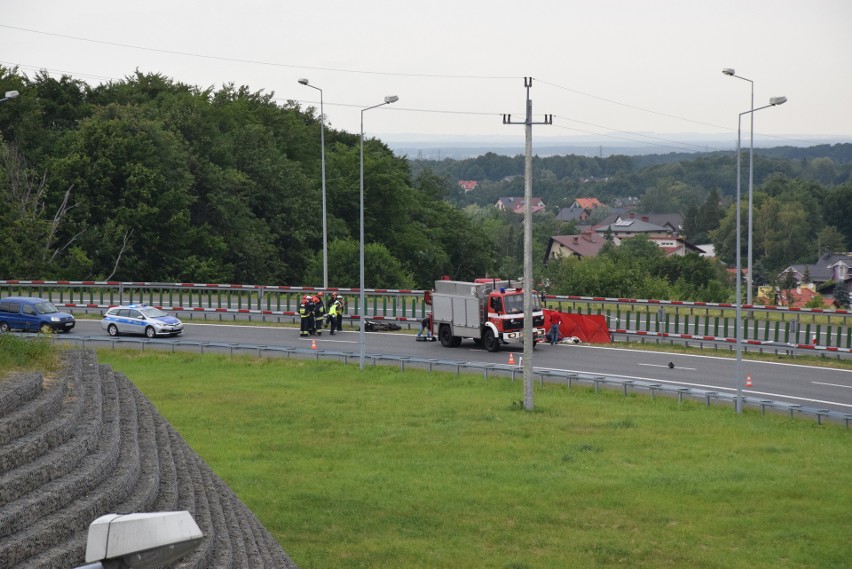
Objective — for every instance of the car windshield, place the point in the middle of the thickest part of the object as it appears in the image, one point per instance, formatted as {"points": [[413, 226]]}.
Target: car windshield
{"points": [[45, 308], [152, 312]]}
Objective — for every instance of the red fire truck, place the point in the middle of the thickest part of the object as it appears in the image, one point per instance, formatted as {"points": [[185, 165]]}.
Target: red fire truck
{"points": [[490, 312]]}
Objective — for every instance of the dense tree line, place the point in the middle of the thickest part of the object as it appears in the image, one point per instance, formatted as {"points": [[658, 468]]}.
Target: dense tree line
{"points": [[147, 178]]}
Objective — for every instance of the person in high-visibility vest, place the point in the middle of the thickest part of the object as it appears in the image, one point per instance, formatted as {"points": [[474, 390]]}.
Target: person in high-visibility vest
{"points": [[332, 312]]}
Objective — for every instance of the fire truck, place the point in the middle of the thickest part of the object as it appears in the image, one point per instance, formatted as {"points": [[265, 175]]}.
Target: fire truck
{"points": [[491, 312]]}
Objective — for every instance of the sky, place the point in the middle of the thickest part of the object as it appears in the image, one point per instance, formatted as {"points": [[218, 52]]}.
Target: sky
{"points": [[640, 71]]}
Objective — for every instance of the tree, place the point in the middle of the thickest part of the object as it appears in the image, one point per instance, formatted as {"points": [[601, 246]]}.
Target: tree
{"points": [[841, 294]]}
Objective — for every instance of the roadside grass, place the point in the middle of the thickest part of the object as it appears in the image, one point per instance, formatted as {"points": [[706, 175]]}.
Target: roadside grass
{"points": [[382, 468], [18, 354]]}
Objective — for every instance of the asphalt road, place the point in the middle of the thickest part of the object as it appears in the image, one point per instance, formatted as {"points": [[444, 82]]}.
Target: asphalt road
{"points": [[792, 383]]}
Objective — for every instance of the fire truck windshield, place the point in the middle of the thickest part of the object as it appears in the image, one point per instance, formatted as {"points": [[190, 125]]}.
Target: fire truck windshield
{"points": [[514, 303]]}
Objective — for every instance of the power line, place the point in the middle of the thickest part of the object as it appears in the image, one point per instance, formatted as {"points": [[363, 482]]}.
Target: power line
{"points": [[253, 61]]}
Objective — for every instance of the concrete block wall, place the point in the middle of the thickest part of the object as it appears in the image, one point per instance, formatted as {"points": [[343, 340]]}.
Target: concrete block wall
{"points": [[88, 443]]}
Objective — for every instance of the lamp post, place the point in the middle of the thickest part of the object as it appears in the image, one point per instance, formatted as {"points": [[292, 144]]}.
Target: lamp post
{"points": [[749, 276], [362, 341], [9, 95], [322, 160], [774, 101]]}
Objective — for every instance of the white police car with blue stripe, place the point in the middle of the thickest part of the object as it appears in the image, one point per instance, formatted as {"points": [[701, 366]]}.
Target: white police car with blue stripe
{"points": [[140, 319]]}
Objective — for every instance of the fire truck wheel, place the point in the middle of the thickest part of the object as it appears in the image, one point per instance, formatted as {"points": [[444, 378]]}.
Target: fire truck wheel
{"points": [[490, 341], [445, 334]]}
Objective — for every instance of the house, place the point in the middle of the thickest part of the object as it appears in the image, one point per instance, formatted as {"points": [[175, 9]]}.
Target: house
{"points": [[586, 203], [580, 246], [799, 297], [572, 214], [830, 267], [662, 236], [580, 210], [468, 185], [516, 205], [672, 221], [824, 275]]}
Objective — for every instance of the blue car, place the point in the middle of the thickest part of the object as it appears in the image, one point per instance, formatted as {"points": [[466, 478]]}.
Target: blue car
{"points": [[33, 315], [140, 319]]}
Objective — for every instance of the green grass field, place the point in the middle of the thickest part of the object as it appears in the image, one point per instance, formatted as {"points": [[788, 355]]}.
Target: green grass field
{"points": [[415, 470]]}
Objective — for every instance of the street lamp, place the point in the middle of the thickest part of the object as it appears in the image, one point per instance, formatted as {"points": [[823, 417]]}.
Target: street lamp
{"points": [[9, 95], [731, 73], [362, 341], [322, 160], [773, 102]]}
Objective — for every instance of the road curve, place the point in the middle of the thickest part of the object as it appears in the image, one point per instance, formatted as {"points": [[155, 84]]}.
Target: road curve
{"points": [[788, 382]]}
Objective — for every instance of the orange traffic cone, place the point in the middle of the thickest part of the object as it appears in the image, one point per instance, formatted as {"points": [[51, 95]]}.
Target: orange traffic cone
{"points": [[313, 344], [511, 359], [748, 380]]}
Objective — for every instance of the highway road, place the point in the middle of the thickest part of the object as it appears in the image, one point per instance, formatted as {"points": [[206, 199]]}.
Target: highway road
{"points": [[787, 382]]}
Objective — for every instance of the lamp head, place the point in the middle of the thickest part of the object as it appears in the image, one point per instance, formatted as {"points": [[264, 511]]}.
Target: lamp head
{"points": [[391, 99], [774, 101], [728, 71], [303, 81], [11, 94]]}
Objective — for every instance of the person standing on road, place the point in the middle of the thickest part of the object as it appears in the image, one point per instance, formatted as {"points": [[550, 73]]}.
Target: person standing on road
{"points": [[553, 334], [304, 315], [319, 313], [333, 311], [425, 324], [341, 308]]}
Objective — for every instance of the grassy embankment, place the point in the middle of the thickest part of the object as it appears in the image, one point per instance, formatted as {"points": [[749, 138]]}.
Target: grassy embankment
{"points": [[17, 354], [416, 470]]}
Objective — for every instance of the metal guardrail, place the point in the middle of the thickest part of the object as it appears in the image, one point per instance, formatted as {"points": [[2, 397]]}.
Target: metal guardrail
{"points": [[766, 323], [554, 376]]}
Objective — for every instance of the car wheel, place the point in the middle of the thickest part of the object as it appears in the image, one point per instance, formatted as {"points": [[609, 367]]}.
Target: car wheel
{"points": [[4, 327], [149, 332], [45, 329], [489, 340], [112, 330]]}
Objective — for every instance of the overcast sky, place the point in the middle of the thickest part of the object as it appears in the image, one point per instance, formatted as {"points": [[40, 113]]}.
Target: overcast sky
{"points": [[624, 68]]}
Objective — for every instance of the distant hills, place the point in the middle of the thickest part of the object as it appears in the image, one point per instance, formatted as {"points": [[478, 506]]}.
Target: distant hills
{"points": [[438, 147]]}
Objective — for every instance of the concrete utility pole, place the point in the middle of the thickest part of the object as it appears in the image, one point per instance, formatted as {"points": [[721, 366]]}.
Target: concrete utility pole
{"points": [[528, 277]]}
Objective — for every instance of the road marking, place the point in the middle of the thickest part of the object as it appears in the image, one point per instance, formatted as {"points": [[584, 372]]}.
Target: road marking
{"points": [[678, 367], [831, 384]]}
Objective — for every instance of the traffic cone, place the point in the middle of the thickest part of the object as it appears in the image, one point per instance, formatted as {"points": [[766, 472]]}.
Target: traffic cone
{"points": [[511, 359], [748, 380], [313, 344]]}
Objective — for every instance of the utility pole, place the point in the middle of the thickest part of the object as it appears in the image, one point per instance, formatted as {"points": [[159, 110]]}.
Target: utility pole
{"points": [[528, 276]]}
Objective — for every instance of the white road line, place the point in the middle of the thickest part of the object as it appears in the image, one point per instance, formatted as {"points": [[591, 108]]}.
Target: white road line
{"points": [[831, 384], [678, 367]]}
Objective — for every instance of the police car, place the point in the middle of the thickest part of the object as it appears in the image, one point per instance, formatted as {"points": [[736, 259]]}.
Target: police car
{"points": [[140, 319]]}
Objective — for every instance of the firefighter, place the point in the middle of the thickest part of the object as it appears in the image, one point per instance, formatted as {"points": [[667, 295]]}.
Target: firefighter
{"points": [[319, 313], [304, 314], [310, 321]]}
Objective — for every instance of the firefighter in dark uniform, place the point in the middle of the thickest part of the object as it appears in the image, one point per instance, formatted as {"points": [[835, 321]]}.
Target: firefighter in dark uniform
{"points": [[304, 314], [319, 314]]}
